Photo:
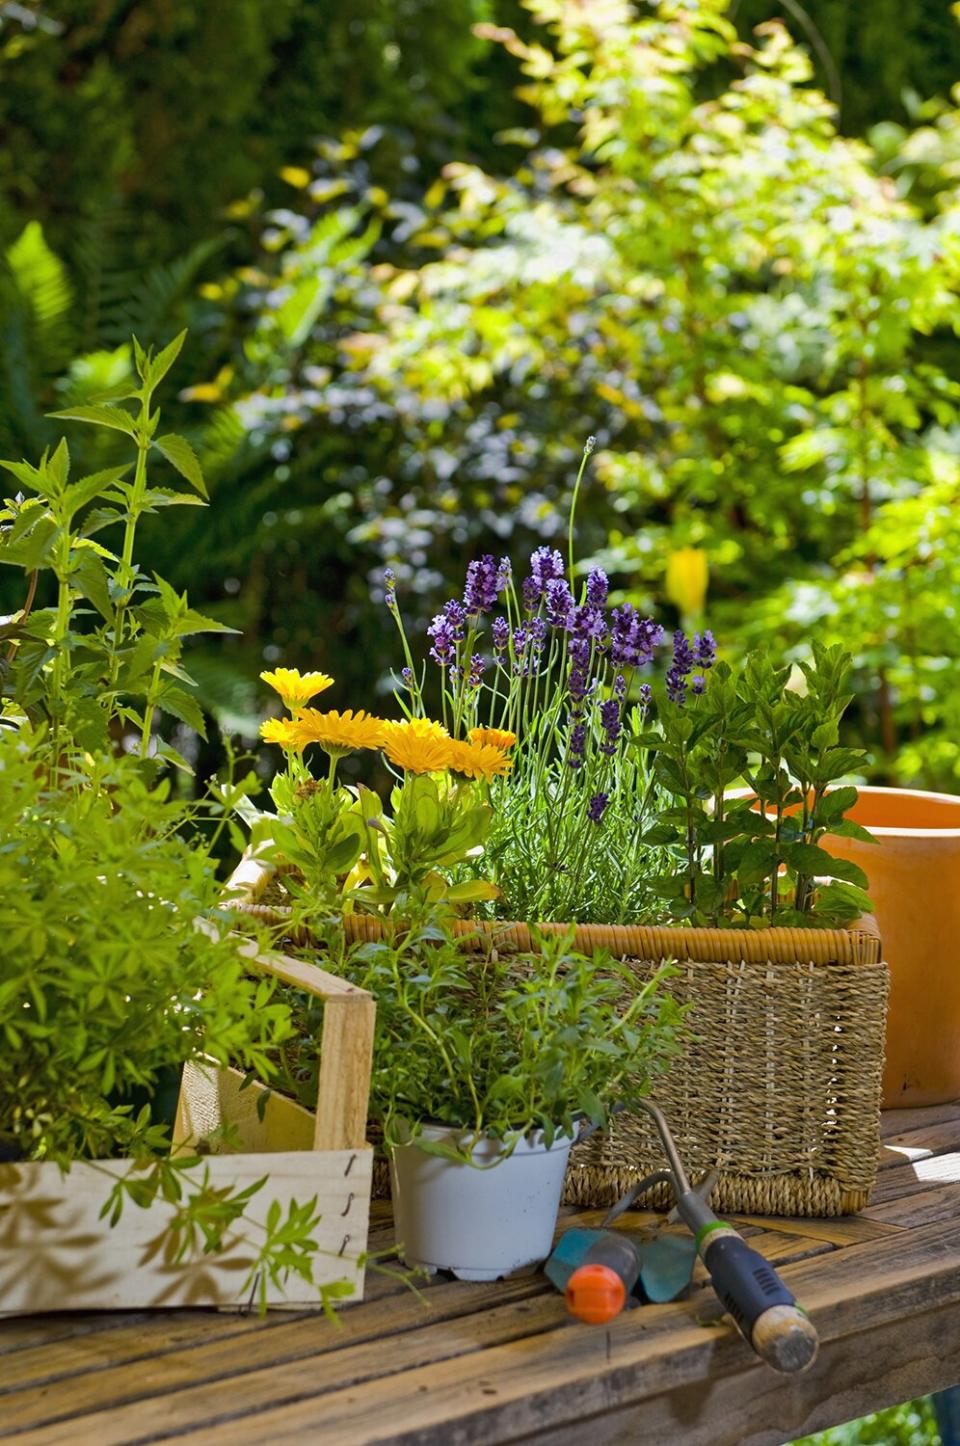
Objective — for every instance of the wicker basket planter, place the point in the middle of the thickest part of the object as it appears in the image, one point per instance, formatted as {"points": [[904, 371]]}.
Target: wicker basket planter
{"points": [[778, 1089], [56, 1253]]}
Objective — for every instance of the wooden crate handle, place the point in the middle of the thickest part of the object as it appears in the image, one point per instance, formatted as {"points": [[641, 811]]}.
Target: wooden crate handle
{"points": [[346, 1046]]}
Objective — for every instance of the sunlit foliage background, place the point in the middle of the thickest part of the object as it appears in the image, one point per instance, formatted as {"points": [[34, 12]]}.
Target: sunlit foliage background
{"points": [[425, 247]]}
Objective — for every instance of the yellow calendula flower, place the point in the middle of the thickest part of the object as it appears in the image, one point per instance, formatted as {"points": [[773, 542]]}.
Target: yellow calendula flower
{"points": [[296, 688], [417, 745], [282, 731], [493, 737], [687, 579], [339, 733], [479, 760]]}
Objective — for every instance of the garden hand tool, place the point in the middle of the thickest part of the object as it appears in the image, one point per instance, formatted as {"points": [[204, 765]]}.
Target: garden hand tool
{"points": [[599, 1270]]}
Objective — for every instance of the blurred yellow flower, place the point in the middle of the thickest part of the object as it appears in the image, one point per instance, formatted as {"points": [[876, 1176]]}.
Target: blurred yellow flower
{"points": [[417, 745], [339, 733], [479, 760], [296, 688], [493, 737], [687, 579], [282, 731]]}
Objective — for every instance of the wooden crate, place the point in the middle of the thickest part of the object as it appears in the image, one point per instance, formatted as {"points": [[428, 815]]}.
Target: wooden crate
{"points": [[57, 1254]]}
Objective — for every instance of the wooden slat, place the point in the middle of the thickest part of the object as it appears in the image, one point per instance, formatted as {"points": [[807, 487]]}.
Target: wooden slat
{"points": [[941, 1203], [897, 1122], [428, 1376], [851, 1378], [55, 1248], [914, 1177], [517, 1390], [844, 1230]]}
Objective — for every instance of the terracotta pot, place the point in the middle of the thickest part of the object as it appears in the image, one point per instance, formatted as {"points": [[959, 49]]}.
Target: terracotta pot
{"points": [[914, 873]]}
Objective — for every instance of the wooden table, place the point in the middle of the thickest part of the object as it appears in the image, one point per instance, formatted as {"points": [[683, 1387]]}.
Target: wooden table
{"points": [[492, 1363]]}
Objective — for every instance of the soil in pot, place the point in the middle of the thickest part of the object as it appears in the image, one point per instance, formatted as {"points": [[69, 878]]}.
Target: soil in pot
{"points": [[479, 1223]]}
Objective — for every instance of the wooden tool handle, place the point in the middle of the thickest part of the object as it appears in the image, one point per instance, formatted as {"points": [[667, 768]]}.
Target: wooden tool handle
{"points": [[766, 1313]]}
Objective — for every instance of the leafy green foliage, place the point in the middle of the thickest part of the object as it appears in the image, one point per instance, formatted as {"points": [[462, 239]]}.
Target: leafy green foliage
{"points": [[505, 1045], [756, 860], [79, 670], [726, 291], [912, 1424], [107, 979]]}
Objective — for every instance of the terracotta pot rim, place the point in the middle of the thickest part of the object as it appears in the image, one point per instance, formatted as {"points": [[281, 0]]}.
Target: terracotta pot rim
{"points": [[931, 831]]}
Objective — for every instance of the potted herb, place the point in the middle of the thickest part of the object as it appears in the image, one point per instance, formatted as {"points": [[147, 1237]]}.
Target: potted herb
{"points": [[486, 1069]]}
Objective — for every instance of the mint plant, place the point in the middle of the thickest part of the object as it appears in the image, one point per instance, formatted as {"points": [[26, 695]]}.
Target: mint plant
{"points": [[755, 859], [103, 653]]}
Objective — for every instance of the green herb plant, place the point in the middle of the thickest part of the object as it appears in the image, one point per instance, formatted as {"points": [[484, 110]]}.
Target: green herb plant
{"points": [[118, 963], [499, 1045], [104, 651], [756, 858]]}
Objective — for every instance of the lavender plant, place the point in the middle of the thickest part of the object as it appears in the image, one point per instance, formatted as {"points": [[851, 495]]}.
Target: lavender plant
{"points": [[554, 672]]}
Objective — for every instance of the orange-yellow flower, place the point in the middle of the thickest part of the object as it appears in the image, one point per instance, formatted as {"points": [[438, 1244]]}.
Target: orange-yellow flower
{"points": [[479, 760], [282, 731], [296, 688], [493, 737], [339, 733], [417, 745]]}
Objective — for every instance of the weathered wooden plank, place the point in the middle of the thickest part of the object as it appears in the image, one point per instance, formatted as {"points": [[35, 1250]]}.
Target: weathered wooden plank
{"points": [[165, 1398], [942, 1202], [844, 1230], [895, 1122], [851, 1378], [918, 1144], [915, 1176], [433, 1378]]}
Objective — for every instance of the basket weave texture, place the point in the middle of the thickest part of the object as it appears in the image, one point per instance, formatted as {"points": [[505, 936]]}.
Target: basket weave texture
{"points": [[778, 1088]]}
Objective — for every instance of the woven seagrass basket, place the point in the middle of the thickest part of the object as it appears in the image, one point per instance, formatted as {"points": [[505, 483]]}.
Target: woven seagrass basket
{"points": [[778, 1088]]}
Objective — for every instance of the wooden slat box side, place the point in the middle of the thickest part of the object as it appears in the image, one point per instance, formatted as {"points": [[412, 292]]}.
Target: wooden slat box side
{"points": [[57, 1254]]}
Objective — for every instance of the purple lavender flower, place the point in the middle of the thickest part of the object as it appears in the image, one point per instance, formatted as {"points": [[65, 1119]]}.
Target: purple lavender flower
{"points": [[445, 632], [578, 745], [504, 574], [698, 683], [559, 602], [546, 565], [620, 687], [590, 622], [407, 676], [538, 631], [612, 727], [390, 583], [598, 588], [521, 664], [482, 586], [579, 687], [634, 640], [597, 807], [681, 668], [646, 696], [500, 632], [478, 667], [705, 649]]}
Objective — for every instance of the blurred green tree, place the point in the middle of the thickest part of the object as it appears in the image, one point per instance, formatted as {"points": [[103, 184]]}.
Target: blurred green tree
{"points": [[725, 291]]}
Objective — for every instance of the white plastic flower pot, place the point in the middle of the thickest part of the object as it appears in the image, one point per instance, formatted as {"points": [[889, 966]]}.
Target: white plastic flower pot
{"points": [[483, 1223]]}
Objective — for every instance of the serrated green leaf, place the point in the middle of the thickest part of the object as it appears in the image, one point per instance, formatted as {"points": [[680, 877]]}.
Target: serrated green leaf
{"points": [[100, 416], [181, 455], [165, 359]]}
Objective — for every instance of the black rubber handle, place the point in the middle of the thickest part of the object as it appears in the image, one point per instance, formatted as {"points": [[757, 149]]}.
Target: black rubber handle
{"points": [[765, 1311]]}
